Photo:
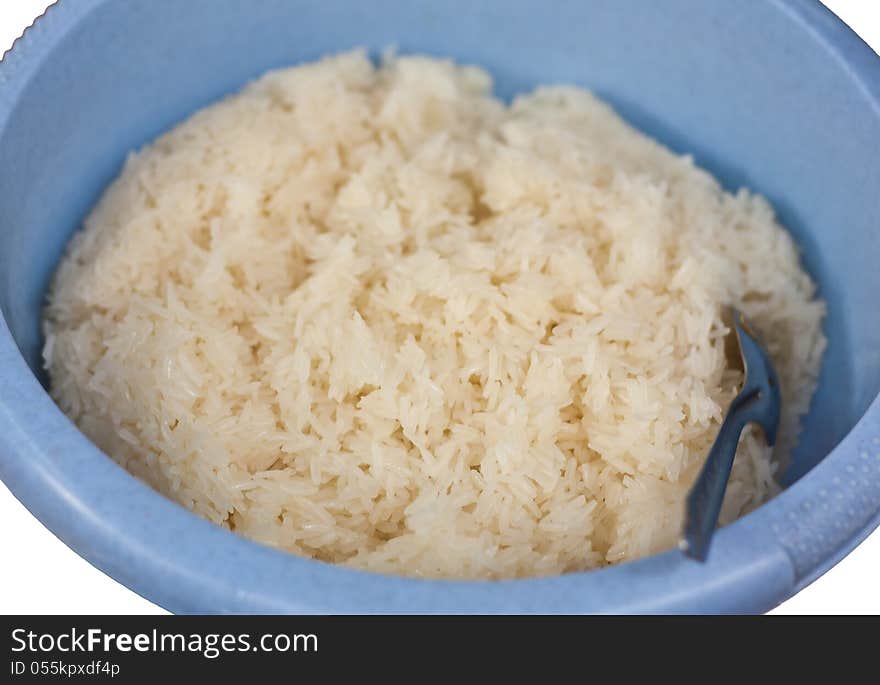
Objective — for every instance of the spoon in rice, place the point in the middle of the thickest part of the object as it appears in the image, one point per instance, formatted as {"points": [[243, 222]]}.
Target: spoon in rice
{"points": [[758, 402]]}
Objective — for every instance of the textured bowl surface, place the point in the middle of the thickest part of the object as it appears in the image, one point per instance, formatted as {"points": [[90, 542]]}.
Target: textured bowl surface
{"points": [[778, 95]]}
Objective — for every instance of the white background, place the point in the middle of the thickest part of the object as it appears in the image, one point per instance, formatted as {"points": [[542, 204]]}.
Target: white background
{"points": [[39, 574]]}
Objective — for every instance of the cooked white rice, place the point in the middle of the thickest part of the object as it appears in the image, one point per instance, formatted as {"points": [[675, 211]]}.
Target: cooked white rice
{"points": [[377, 317]]}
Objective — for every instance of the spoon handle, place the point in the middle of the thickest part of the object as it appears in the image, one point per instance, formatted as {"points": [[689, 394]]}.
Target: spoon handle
{"points": [[704, 500]]}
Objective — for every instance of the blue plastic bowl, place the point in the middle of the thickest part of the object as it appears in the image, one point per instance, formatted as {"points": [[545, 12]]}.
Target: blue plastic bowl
{"points": [[779, 96]]}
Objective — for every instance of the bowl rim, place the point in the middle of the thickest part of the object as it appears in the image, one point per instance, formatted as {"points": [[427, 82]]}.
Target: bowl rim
{"points": [[139, 537]]}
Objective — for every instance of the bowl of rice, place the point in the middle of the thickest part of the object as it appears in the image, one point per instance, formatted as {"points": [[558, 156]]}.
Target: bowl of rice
{"points": [[322, 307]]}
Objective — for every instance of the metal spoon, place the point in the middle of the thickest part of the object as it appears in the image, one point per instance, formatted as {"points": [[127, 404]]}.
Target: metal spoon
{"points": [[758, 401]]}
